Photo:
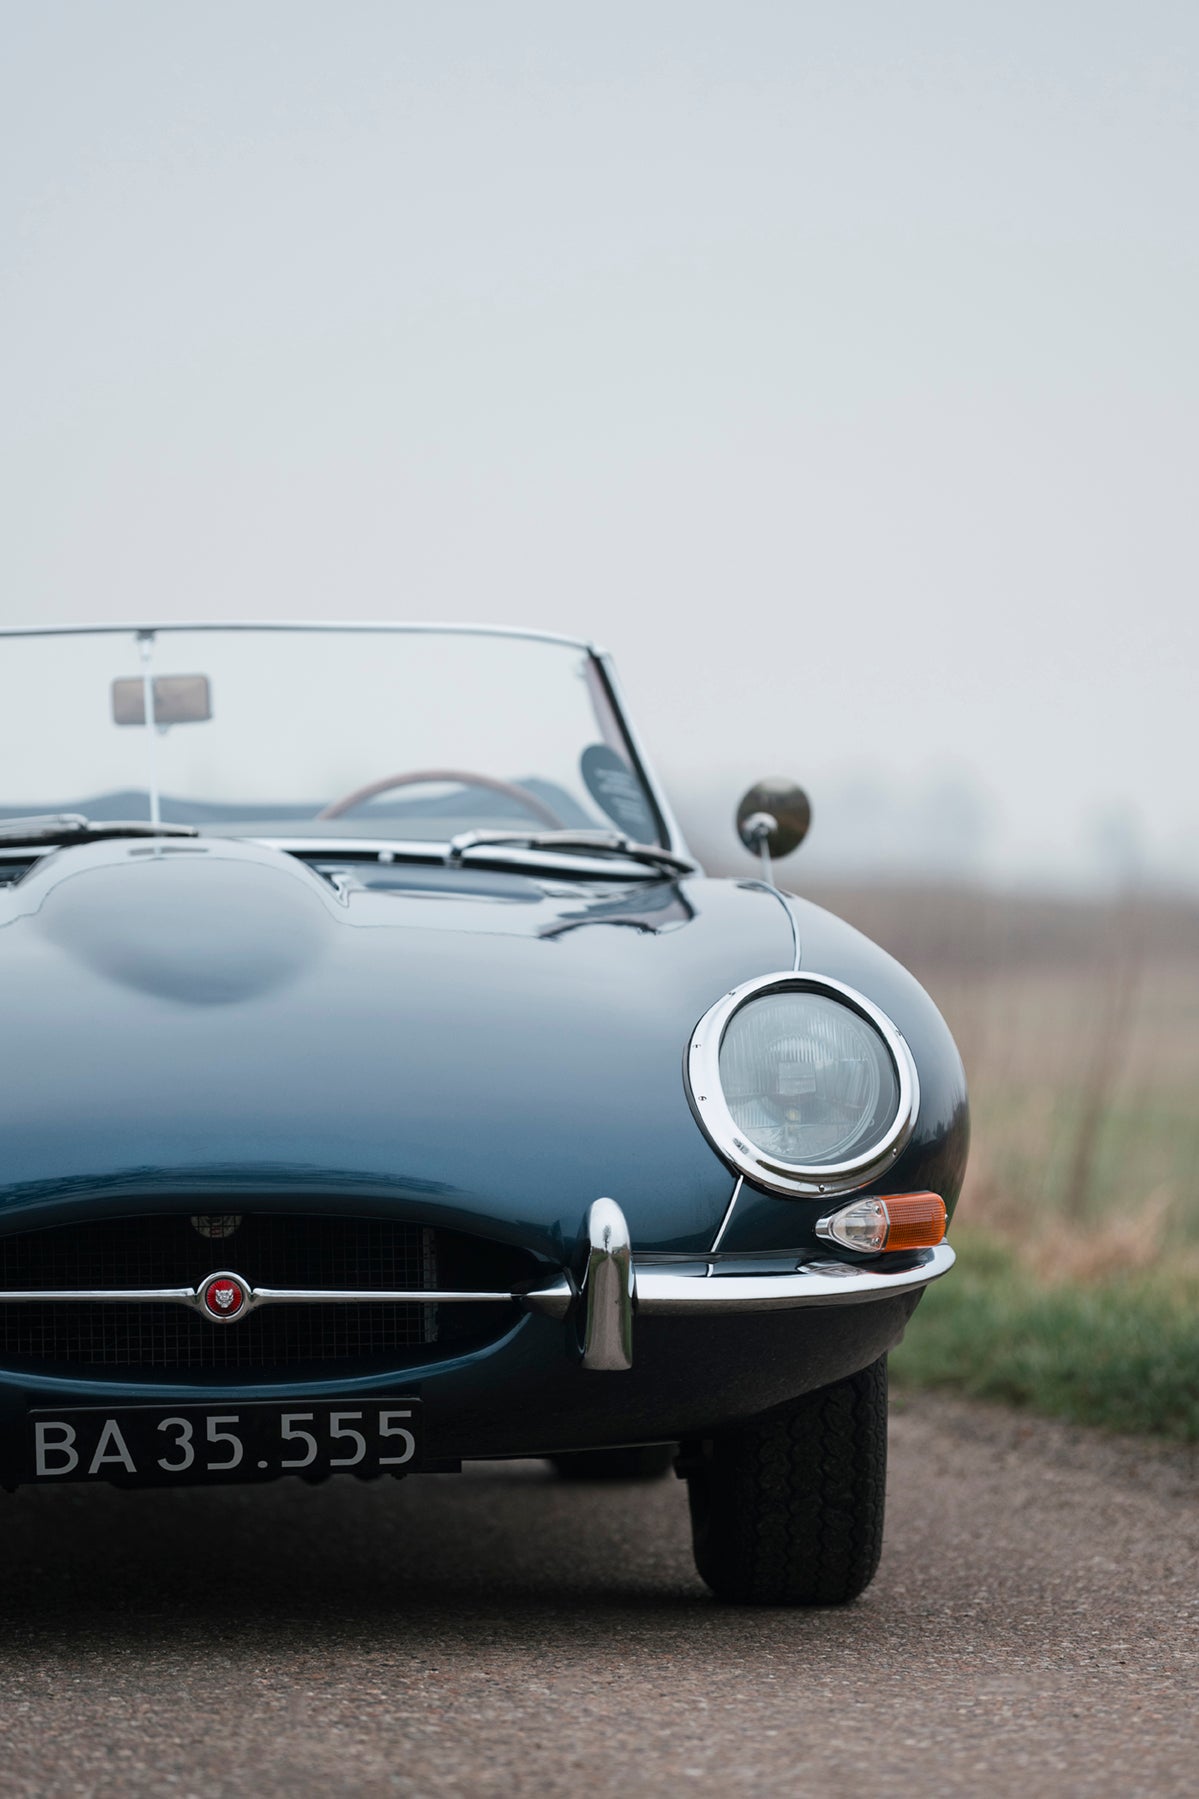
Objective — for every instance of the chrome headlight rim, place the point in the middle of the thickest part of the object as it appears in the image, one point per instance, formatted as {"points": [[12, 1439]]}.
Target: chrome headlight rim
{"points": [[791, 1179]]}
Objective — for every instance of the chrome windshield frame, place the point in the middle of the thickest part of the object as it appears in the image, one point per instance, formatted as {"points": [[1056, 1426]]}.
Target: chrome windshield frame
{"points": [[416, 628]]}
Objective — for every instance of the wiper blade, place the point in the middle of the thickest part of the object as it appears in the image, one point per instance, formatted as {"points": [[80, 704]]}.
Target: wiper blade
{"points": [[589, 843], [73, 827]]}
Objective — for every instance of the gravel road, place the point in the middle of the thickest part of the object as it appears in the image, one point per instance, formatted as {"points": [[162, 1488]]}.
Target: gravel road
{"points": [[1034, 1628]]}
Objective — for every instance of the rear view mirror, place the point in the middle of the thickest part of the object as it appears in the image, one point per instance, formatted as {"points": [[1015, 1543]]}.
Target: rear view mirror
{"points": [[178, 700]]}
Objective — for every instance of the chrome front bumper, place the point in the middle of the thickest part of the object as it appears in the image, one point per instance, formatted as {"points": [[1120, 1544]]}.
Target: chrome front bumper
{"points": [[615, 1289], [817, 1283]]}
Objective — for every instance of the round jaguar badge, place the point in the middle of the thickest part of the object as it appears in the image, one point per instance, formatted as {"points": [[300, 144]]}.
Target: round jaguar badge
{"points": [[223, 1297]]}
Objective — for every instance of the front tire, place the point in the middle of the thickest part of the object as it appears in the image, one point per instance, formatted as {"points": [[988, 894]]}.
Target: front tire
{"points": [[788, 1510]]}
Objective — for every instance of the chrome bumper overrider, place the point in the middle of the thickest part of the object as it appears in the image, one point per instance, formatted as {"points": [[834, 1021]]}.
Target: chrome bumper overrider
{"points": [[615, 1289]]}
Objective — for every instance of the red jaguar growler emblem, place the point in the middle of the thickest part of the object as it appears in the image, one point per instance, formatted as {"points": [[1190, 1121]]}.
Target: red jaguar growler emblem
{"points": [[223, 1296]]}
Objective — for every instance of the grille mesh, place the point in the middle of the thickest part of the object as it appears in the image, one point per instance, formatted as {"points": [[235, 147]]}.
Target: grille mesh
{"points": [[266, 1250], [169, 1336]]}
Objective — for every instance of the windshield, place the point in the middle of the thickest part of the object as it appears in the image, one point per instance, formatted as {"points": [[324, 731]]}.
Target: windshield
{"points": [[376, 733]]}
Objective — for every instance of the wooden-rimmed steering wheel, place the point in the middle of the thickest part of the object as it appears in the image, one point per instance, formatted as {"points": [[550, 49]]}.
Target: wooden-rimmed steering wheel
{"points": [[462, 777]]}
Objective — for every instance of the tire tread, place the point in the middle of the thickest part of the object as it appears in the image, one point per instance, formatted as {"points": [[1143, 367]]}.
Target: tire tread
{"points": [[788, 1510]]}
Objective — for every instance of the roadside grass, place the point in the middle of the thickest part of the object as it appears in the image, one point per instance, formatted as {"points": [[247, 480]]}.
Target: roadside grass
{"points": [[1076, 1291], [1122, 1353]]}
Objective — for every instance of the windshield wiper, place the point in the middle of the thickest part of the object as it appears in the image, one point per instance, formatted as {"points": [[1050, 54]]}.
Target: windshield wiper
{"points": [[588, 843], [73, 827]]}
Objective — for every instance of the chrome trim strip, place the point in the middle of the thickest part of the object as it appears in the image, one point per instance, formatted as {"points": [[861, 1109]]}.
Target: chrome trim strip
{"points": [[334, 1296], [816, 1283], [554, 1300], [134, 1296], [609, 1285], [707, 1095]]}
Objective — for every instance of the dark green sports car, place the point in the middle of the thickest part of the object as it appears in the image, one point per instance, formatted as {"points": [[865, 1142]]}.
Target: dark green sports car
{"points": [[385, 1085]]}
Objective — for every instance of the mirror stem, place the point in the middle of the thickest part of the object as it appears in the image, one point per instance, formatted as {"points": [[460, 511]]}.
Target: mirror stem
{"points": [[757, 832], [145, 645]]}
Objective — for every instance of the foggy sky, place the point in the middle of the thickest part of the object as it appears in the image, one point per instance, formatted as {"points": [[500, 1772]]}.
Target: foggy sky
{"points": [[833, 366]]}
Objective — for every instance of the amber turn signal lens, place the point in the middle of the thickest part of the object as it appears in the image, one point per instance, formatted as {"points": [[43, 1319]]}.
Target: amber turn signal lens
{"points": [[900, 1221], [916, 1220]]}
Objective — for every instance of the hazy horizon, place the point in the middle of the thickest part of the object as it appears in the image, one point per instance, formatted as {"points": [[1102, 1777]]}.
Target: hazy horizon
{"points": [[835, 369]]}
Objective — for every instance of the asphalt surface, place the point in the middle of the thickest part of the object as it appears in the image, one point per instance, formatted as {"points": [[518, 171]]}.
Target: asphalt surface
{"points": [[1034, 1628]]}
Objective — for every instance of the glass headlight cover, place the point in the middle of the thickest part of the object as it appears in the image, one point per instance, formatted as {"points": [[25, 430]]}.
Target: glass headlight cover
{"points": [[807, 1081], [802, 1083]]}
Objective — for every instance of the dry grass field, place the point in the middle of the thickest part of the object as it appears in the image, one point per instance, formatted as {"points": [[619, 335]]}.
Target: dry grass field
{"points": [[1077, 1290], [1079, 1027]]}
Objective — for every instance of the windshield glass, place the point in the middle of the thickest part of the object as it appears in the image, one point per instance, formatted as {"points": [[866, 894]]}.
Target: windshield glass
{"points": [[295, 732]]}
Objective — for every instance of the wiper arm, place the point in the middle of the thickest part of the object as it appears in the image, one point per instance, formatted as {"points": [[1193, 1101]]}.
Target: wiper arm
{"points": [[589, 843], [73, 827]]}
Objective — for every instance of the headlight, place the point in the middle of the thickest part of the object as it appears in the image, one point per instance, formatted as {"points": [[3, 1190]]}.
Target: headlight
{"points": [[803, 1084]]}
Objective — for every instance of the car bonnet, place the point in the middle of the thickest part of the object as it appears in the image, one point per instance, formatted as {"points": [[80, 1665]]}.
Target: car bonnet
{"points": [[489, 1050]]}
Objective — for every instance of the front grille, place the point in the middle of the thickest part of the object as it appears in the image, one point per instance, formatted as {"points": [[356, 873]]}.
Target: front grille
{"points": [[267, 1249]]}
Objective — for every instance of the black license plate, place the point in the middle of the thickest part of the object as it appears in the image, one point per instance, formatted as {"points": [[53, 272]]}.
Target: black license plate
{"points": [[160, 1445]]}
